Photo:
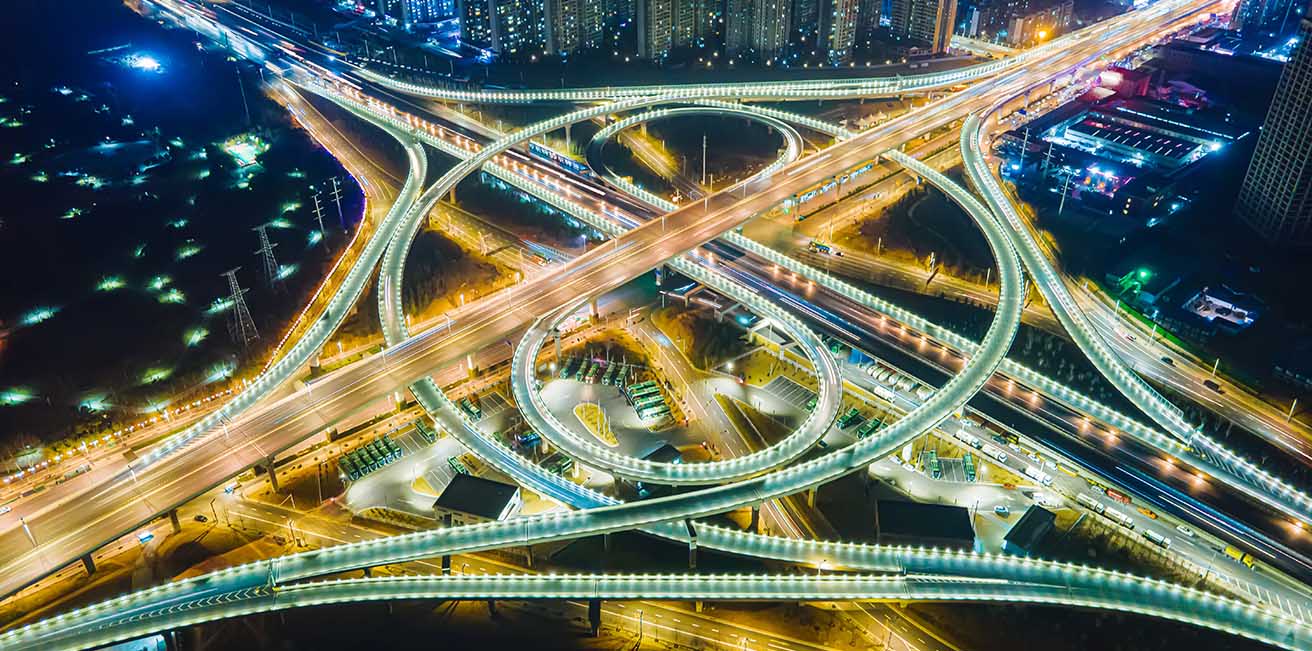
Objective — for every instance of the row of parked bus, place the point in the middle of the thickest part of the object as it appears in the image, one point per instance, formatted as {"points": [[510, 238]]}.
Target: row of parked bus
{"points": [[594, 371], [647, 400], [369, 457]]}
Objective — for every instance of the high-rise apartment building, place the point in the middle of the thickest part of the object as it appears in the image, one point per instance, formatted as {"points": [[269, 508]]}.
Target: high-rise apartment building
{"points": [[666, 24], [1276, 198], [838, 27], [655, 20], [757, 27], [408, 13], [927, 22], [1259, 15], [574, 25], [506, 27]]}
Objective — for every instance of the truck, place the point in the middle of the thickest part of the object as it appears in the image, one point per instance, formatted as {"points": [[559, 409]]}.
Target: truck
{"points": [[1118, 496], [969, 439], [1119, 518], [968, 466], [1090, 503], [1239, 556], [1157, 539], [883, 392]]}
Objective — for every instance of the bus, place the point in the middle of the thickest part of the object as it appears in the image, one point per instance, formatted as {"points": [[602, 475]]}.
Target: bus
{"points": [[932, 465], [656, 412], [425, 431], [869, 427], [817, 246], [848, 419], [648, 400], [644, 394], [456, 466], [559, 160]]}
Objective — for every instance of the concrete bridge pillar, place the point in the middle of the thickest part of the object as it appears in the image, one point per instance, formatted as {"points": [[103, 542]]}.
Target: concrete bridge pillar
{"points": [[446, 564], [273, 475], [593, 312], [692, 544], [173, 520], [89, 563], [594, 616], [755, 526]]}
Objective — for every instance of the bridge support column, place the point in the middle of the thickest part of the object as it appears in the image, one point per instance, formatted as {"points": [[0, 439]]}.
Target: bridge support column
{"points": [[469, 364], [492, 607], [697, 606], [368, 571], [810, 497], [605, 542], [593, 312], [755, 526], [528, 556], [446, 564], [594, 616], [273, 474], [692, 544], [173, 520], [567, 139], [89, 563], [453, 196]]}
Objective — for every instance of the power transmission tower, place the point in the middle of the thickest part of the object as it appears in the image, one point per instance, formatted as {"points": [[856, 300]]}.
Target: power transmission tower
{"points": [[241, 327], [337, 197], [266, 252], [318, 211]]}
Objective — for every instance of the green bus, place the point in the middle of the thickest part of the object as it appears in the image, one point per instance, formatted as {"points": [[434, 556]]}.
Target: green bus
{"points": [[932, 465]]}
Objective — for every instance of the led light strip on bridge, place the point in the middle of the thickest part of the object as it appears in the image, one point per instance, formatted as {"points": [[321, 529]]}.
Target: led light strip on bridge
{"points": [[792, 139], [532, 529], [799, 89], [131, 612], [1254, 481], [1153, 599]]}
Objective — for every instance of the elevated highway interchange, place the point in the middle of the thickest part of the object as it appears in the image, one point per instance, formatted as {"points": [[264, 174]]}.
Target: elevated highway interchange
{"points": [[488, 321]]}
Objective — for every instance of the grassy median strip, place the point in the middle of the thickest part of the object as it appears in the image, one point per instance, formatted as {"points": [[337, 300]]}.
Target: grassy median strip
{"points": [[594, 419]]}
